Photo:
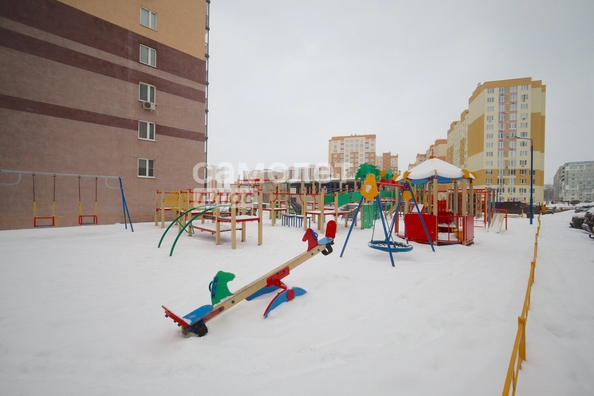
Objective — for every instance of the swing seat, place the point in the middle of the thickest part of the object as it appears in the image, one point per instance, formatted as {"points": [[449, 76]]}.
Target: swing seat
{"points": [[381, 245]]}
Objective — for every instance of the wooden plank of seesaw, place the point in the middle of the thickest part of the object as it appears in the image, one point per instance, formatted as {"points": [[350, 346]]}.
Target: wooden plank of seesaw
{"points": [[260, 283]]}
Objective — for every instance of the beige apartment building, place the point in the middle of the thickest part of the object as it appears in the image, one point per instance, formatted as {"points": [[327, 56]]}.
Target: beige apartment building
{"points": [[99, 88], [346, 153], [494, 137], [387, 161]]}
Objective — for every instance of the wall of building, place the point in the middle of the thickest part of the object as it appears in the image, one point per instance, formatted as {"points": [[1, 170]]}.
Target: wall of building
{"points": [[70, 103]]}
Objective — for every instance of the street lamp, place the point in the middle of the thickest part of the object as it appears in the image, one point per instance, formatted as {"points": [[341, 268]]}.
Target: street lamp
{"points": [[531, 175]]}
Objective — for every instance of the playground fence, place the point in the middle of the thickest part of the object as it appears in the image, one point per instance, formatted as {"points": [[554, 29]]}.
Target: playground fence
{"points": [[519, 349]]}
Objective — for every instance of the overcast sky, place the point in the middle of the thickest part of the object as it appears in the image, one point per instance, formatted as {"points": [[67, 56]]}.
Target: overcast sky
{"points": [[287, 75]]}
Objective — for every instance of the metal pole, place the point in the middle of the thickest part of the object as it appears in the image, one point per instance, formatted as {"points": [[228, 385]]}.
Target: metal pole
{"points": [[531, 180]]}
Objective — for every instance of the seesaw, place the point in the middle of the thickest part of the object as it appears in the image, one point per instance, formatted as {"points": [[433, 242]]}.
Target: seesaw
{"points": [[222, 299]]}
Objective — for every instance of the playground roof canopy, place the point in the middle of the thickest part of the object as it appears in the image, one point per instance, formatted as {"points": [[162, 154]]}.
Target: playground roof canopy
{"points": [[434, 167]]}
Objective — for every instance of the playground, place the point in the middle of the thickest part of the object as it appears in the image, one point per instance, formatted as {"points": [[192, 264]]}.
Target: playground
{"points": [[81, 313]]}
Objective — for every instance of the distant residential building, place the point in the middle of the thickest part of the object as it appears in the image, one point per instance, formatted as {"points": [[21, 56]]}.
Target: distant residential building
{"points": [[346, 153], [574, 181], [387, 161], [493, 138], [438, 150]]}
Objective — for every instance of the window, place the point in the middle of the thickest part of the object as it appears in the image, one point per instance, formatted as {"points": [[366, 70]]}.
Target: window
{"points": [[490, 108], [501, 127], [490, 100], [513, 125], [512, 116], [490, 90], [501, 144], [524, 134], [502, 90], [523, 162], [502, 99], [489, 136], [523, 125], [513, 89], [146, 130], [489, 153], [501, 154], [501, 117], [490, 126], [513, 98], [523, 153], [524, 106], [524, 87], [524, 97], [511, 181], [489, 171], [488, 181], [512, 134], [522, 171], [490, 118], [501, 107], [501, 135], [522, 191], [148, 18], [148, 55], [146, 167], [489, 145], [147, 93], [512, 172], [513, 107], [488, 163], [501, 164]]}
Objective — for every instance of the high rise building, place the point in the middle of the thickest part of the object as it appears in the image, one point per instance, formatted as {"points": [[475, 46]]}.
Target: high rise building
{"points": [[494, 137], [574, 181], [346, 153], [104, 87], [387, 161]]}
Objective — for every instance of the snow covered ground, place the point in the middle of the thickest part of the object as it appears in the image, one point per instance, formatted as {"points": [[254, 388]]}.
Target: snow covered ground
{"points": [[80, 313]]}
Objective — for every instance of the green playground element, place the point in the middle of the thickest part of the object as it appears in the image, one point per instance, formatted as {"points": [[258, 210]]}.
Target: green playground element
{"points": [[365, 169], [369, 214], [218, 287], [202, 210]]}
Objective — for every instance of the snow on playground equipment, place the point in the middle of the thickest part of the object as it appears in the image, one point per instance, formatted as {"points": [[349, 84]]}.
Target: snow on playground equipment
{"points": [[370, 191], [454, 226], [53, 217], [222, 299], [186, 220]]}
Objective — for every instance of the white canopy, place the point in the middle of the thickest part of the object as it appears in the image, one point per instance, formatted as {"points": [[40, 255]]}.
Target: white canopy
{"points": [[434, 167]]}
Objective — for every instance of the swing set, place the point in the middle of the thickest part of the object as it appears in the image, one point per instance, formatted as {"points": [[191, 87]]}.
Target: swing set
{"points": [[388, 244], [51, 220]]}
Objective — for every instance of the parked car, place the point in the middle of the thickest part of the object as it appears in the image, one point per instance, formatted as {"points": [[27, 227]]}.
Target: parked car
{"points": [[578, 220]]}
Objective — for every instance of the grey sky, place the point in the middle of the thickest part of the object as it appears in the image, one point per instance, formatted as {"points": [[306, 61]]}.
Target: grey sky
{"points": [[287, 75]]}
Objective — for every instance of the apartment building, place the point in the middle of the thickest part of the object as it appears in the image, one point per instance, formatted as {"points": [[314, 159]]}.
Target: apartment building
{"points": [[347, 153], [387, 161], [574, 181], [494, 138], [103, 87]]}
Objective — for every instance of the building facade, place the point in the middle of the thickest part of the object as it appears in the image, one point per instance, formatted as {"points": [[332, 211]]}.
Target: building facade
{"points": [[387, 161], [347, 153], [106, 88], [501, 136], [574, 181]]}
